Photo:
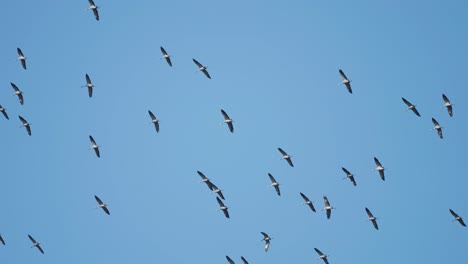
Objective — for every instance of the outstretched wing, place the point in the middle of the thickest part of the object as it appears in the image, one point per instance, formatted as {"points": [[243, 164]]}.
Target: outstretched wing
{"points": [[265, 235], [153, 117], [377, 162], [435, 122], [23, 63], [290, 162], [272, 179], [282, 152], [306, 199], [20, 52], [406, 102], [15, 87], [92, 140], [382, 174], [244, 260], [446, 100], [221, 204], [226, 117], [1, 240], [96, 13], [277, 190], [346, 171], [369, 213], [98, 200], [343, 76], [28, 129], [197, 63], [206, 74], [267, 245], [163, 51], [5, 114], [40, 249], [348, 86], [325, 200], [168, 60], [23, 120], [32, 239], [318, 252], [90, 91], [106, 210], [353, 181], [91, 2], [229, 260], [415, 111], [88, 80]]}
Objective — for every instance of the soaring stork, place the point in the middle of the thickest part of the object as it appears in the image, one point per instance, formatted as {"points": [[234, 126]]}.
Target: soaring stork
{"points": [[267, 240], [228, 121], [286, 157], [438, 128], [321, 255], [372, 218], [447, 104], [154, 121], [94, 146], [21, 58], [93, 7], [379, 168], [3, 110], [308, 202], [101, 205], [275, 184], [89, 85], [349, 175], [18, 92], [36, 244], [223, 207], [411, 107], [202, 68], [327, 207], [346, 81], [457, 218], [166, 56], [25, 124]]}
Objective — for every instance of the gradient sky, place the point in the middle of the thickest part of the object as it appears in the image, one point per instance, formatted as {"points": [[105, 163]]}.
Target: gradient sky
{"points": [[274, 68]]}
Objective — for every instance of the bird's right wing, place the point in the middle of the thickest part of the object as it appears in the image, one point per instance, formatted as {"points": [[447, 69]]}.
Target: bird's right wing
{"points": [[343, 76], [406, 102], [197, 63], [318, 251], [346, 171], [377, 162], [15, 87], [435, 122], [282, 152], [272, 179], [98, 200]]}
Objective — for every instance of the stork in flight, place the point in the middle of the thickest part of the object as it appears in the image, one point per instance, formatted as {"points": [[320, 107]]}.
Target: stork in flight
{"points": [[223, 207], [379, 168], [457, 218], [321, 255], [349, 175], [25, 124], [202, 68], [154, 121], [286, 157], [346, 81], [94, 146], [166, 56], [448, 105], [36, 244], [228, 121], [21, 58], [308, 202], [275, 184], [89, 85], [372, 218], [101, 205], [411, 107], [3, 110], [327, 207], [267, 240], [93, 7], [18, 92], [438, 128]]}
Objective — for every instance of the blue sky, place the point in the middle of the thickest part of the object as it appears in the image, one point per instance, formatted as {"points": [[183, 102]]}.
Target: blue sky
{"points": [[274, 69]]}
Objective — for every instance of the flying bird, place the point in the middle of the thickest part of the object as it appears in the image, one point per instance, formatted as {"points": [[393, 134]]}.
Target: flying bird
{"points": [[230, 260], [379, 168], [372, 218], [18, 92], [93, 7], [202, 68], [94, 146], [349, 175], [244, 260], [457, 218], [346, 81], [89, 85], [154, 121], [25, 124], [327, 207], [267, 240], [222, 207], [36, 244], [216, 190], [286, 157], [308, 202], [1, 240], [228, 121], [448, 105], [411, 107], [3, 110], [101, 205], [166, 56], [438, 128], [21, 58], [275, 184], [321, 255]]}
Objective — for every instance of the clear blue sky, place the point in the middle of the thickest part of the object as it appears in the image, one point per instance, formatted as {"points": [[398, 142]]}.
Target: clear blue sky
{"points": [[274, 68]]}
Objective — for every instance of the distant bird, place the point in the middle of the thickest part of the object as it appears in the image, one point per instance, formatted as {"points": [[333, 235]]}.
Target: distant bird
{"points": [[1, 240], [166, 56], [230, 260], [216, 190], [25, 124], [321, 255], [36, 244], [244, 260], [154, 121], [222, 207], [94, 146], [21, 58], [89, 85], [18, 92], [267, 240], [438, 128], [448, 105], [346, 81], [411, 107], [101, 205], [205, 180], [275, 184], [457, 218], [327, 207], [3, 110], [379, 168], [228, 121], [372, 218], [308, 202], [202, 68], [349, 175], [286, 157], [93, 7]]}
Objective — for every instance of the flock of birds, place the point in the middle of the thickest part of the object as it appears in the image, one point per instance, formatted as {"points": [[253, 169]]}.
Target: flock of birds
{"points": [[227, 120]]}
